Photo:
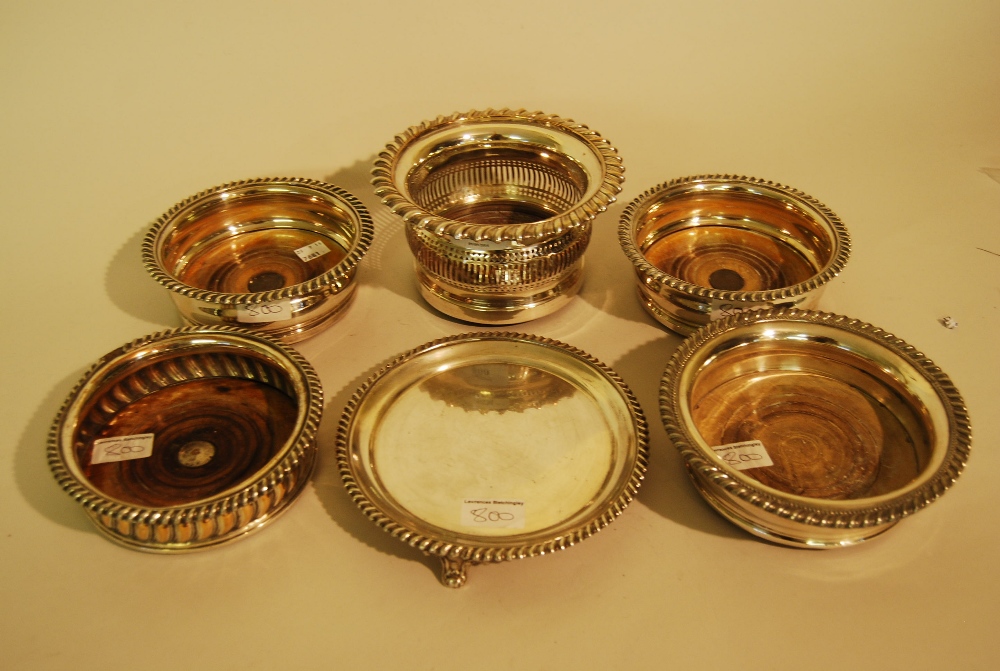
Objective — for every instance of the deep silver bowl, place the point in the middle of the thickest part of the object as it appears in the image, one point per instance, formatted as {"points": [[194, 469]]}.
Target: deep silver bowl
{"points": [[707, 247], [188, 438], [273, 255], [498, 207], [812, 429]]}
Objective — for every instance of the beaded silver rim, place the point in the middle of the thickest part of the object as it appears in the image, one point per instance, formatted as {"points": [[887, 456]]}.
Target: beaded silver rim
{"points": [[333, 277]]}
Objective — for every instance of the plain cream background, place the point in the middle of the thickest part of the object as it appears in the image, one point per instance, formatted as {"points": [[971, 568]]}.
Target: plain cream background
{"points": [[111, 112]]}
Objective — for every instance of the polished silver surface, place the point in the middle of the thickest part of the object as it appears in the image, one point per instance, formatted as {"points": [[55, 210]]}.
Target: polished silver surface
{"points": [[188, 438], [706, 247], [498, 206], [274, 255], [812, 429], [493, 446]]}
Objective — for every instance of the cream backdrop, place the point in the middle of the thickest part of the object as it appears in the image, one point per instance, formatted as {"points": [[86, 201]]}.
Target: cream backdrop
{"points": [[111, 112]]}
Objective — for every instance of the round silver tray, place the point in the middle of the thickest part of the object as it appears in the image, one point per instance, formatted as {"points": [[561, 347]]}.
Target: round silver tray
{"points": [[487, 447]]}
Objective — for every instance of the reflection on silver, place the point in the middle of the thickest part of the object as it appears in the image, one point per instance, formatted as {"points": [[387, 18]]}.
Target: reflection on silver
{"points": [[706, 246], [274, 255], [498, 206], [257, 400], [862, 429], [497, 387], [492, 416]]}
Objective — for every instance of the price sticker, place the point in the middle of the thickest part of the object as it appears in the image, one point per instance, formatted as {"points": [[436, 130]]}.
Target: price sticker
{"points": [[313, 251], [741, 456], [723, 310], [122, 448], [493, 513], [258, 313]]}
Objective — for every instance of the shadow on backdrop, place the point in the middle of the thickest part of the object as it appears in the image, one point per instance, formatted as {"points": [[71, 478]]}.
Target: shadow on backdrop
{"points": [[130, 287], [610, 283], [388, 262], [31, 468], [330, 489], [667, 489]]}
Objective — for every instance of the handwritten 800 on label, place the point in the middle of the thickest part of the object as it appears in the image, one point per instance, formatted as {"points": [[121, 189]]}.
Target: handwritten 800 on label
{"points": [[264, 310], [734, 459], [748, 454], [488, 515], [492, 513], [122, 448]]}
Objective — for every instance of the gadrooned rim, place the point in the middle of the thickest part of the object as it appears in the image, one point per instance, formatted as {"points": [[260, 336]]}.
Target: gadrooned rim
{"points": [[892, 510], [659, 280], [477, 553], [335, 275], [98, 504], [580, 214]]}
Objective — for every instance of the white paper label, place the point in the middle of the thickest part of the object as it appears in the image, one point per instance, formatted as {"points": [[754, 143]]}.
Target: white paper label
{"points": [[493, 513], [313, 251], [748, 454], [258, 313], [724, 310], [122, 448]]}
